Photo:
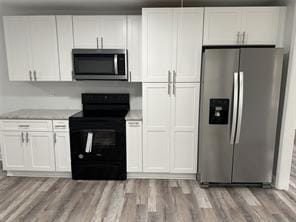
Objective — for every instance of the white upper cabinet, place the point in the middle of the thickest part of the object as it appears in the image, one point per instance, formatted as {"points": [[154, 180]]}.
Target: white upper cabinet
{"points": [[113, 32], [242, 25], [86, 31], [157, 32], [107, 32], [18, 48], [44, 48], [222, 26], [172, 44], [65, 44], [261, 25], [189, 44], [134, 45], [32, 48]]}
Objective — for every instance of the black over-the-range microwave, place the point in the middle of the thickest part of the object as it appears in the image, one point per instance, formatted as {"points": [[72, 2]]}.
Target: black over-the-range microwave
{"points": [[100, 64]]}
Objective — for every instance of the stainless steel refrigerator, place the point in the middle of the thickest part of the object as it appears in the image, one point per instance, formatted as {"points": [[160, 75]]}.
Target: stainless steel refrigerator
{"points": [[240, 91]]}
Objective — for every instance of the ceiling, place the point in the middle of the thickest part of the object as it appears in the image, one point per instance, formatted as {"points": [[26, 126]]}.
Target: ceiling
{"points": [[120, 5]]}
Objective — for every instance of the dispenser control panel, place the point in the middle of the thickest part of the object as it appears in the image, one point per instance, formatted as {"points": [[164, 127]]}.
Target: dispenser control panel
{"points": [[219, 110]]}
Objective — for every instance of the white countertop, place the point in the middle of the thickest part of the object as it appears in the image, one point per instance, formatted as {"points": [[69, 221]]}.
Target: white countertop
{"points": [[48, 114], [134, 115]]}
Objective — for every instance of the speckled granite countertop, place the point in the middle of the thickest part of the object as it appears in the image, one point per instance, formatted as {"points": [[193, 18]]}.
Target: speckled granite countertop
{"points": [[134, 115], [48, 114]]}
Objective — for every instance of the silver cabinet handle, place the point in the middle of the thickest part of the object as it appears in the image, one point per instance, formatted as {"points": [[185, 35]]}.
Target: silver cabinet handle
{"points": [[102, 42], [174, 82], [169, 88], [27, 137], [60, 126], [134, 124], [240, 106], [23, 126], [23, 138], [97, 42], [244, 35], [35, 75], [174, 89], [234, 108], [169, 76], [54, 138], [238, 37], [174, 76], [30, 75]]}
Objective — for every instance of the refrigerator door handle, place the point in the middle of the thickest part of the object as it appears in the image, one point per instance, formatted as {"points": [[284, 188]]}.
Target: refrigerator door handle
{"points": [[234, 108], [240, 106]]}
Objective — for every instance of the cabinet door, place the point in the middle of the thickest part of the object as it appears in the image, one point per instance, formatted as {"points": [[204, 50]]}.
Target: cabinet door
{"points": [[44, 47], [65, 43], [40, 151], [134, 46], [189, 44], [222, 26], [156, 127], [260, 25], [134, 146], [62, 151], [158, 36], [13, 148], [184, 108], [86, 31], [113, 32], [17, 41]]}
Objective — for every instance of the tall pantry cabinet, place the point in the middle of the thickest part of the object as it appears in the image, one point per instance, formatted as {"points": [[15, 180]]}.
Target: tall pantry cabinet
{"points": [[172, 47]]}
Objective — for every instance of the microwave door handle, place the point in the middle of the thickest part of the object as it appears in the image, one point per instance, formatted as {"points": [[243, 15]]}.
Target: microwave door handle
{"points": [[115, 64]]}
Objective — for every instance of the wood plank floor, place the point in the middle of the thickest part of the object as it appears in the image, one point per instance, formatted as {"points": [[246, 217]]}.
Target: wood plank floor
{"points": [[53, 199]]}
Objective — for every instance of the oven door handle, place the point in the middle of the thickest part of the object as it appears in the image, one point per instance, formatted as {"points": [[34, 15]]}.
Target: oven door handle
{"points": [[89, 141], [115, 64]]}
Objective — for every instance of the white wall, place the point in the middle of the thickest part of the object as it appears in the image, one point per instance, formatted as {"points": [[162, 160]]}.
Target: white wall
{"points": [[286, 142]]}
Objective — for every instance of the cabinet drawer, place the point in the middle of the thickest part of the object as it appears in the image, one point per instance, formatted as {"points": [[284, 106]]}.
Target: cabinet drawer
{"points": [[26, 125], [61, 125]]}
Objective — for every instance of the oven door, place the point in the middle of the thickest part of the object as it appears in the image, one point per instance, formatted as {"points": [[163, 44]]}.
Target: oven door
{"points": [[100, 64], [93, 141]]}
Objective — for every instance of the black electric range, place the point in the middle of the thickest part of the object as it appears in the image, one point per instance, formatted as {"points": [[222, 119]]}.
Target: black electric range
{"points": [[98, 137]]}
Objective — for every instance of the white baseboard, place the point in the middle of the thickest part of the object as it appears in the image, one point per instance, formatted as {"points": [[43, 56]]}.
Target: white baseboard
{"points": [[129, 175], [39, 174], [161, 176]]}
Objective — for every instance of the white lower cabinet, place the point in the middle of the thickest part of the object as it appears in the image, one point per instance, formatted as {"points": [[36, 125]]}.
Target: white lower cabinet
{"points": [[134, 146], [13, 150], [40, 151], [62, 151], [35, 145], [27, 151], [184, 126], [170, 122]]}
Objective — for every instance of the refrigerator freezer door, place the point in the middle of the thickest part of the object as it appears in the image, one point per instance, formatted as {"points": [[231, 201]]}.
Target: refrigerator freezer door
{"points": [[254, 151], [217, 86]]}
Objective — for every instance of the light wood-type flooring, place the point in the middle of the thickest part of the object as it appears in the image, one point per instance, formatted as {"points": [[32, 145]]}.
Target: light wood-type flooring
{"points": [[54, 199]]}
